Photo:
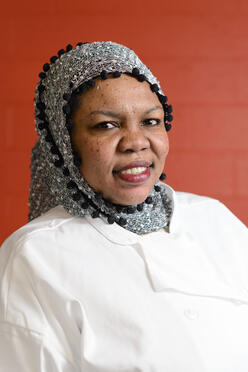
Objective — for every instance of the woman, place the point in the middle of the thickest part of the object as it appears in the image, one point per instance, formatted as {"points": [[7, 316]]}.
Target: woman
{"points": [[116, 271]]}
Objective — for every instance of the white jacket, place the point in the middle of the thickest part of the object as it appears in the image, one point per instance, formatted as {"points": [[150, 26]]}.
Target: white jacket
{"points": [[80, 295]]}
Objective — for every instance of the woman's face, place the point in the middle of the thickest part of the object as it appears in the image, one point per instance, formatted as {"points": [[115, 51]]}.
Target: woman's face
{"points": [[120, 136]]}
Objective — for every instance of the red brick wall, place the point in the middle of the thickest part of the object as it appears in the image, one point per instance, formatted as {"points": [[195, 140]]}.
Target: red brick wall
{"points": [[197, 48]]}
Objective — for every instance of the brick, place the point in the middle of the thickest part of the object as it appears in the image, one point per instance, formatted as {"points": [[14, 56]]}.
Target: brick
{"points": [[238, 206], [205, 81], [210, 127], [18, 129], [174, 35], [199, 51], [181, 136], [201, 173], [15, 168], [19, 81], [198, 36], [14, 215], [190, 7], [241, 173]]}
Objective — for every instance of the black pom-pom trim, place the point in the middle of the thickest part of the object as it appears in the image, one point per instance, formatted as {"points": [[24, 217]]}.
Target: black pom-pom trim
{"points": [[85, 205], [157, 188], [141, 77], [103, 75], [169, 118], [80, 43], [162, 99], [41, 115], [116, 74], [91, 83], [58, 163], [69, 125], [77, 161], [49, 138], [54, 150], [98, 195], [41, 88], [66, 172], [40, 105], [154, 88], [148, 200], [140, 207], [67, 109], [162, 177], [42, 125], [46, 67], [82, 88], [60, 52], [95, 214], [42, 75], [135, 71], [66, 97], [69, 47], [168, 127], [122, 221], [130, 209], [169, 109], [53, 59], [77, 196], [111, 220], [119, 208], [108, 204]]}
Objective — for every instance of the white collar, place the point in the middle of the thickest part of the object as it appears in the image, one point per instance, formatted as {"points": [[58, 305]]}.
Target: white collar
{"points": [[164, 270], [119, 235]]}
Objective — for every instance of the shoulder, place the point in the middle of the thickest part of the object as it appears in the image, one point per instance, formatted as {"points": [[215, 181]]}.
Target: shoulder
{"points": [[46, 226], [190, 198], [44, 239], [37, 280], [200, 204], [50, 220], [38, 265], [39, 244], [195, 202], [210, 214]]}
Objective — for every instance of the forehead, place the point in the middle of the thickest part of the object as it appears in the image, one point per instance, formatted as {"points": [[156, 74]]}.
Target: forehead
{"points": [[120, 93]]}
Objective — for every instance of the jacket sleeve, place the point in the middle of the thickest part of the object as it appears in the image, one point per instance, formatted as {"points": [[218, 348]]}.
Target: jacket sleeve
{"points": [[24, 350], [36, 333]]}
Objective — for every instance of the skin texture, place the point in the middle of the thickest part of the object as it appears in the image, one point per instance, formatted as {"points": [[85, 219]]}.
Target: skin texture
{"points": [[124, 133]]}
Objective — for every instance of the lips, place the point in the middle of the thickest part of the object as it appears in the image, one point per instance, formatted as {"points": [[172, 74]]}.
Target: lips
{"points": [[134, 164], [139, 172]]}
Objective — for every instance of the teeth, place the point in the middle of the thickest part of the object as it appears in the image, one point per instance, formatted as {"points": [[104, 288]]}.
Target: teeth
{"points": [[134, 170]]}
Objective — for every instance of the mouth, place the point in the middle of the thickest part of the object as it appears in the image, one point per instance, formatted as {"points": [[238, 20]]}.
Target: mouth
{"points": [[135, 172]]}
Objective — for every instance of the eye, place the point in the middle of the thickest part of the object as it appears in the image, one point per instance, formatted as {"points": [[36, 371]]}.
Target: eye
{"points": [[151, 122], [105, 125]]}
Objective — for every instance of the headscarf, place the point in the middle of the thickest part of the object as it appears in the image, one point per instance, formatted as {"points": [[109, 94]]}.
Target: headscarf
{"points": [[55, 175]]}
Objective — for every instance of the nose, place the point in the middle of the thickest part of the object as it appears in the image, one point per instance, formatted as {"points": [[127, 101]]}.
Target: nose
{"points": [[133, 140]]}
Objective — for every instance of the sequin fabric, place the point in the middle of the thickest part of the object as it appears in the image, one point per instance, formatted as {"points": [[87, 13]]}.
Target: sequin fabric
{"points": [[49, 184]]}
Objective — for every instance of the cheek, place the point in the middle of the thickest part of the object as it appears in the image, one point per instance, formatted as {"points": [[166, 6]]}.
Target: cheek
{"points": [[162, 145], [89, 148], [166, 146], [94, 154]]}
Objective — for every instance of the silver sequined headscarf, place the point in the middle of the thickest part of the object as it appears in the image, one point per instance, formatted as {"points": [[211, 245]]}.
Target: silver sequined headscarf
{"points": [[55, 175]]}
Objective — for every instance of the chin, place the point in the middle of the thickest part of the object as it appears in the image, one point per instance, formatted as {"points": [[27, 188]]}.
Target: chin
{"points": [[130, 199]]}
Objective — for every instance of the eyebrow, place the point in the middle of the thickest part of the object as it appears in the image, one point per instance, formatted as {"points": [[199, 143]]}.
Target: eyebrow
{"points": [[115, 115], [154, 109], [106, 113]]}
